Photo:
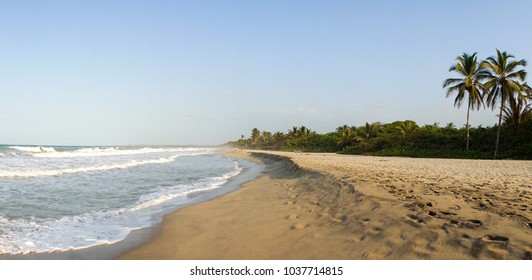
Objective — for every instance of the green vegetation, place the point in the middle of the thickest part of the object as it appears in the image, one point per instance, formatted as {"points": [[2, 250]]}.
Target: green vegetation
{"points": [[403, 138], [498, 82]]}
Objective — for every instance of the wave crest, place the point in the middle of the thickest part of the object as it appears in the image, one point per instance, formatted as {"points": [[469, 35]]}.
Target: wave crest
{"points": [[55, 172], [33, 149]]}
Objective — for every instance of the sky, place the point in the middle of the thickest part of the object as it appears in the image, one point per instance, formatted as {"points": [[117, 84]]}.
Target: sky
{"points": [[205, 72]]}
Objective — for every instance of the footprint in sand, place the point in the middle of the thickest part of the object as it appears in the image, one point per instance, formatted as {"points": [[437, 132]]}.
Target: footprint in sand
{"points": [[339, 219], [467, 223], [472, 223], [448, 213], [292, 217], [376, 231], [415, 219], [495, 238], [298, 226], [494, 245]]}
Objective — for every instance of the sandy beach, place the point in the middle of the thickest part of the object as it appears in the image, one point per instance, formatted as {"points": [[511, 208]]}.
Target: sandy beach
{"points": [[329, 206]]}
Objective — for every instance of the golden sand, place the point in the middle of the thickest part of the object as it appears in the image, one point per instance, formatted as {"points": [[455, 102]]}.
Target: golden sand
{"points": [[329, 206]]}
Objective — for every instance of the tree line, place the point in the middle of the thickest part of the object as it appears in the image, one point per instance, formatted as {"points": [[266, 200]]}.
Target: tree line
{"points": [[400, 138], [497, 83]]}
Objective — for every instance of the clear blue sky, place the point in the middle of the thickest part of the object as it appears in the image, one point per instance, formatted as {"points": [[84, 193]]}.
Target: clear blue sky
{"points": [[205, 72]]}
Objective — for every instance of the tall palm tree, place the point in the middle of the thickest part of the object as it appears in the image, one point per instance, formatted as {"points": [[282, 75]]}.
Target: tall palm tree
{"points": [[504, 83], [468, 85]]}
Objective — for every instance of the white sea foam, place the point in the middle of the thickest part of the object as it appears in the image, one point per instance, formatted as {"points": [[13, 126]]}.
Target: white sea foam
{"points": [[98, 152], [32, 235], [33, 149], [183, 190], [123, 164], [55, 172], [49, 152], [23, 236]]}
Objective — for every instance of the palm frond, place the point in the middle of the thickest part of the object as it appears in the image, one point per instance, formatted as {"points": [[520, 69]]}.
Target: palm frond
{"points": [[451, 81]]}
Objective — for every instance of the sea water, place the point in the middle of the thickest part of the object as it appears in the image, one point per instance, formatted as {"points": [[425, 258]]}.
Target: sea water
{"points": [[61, 198]]}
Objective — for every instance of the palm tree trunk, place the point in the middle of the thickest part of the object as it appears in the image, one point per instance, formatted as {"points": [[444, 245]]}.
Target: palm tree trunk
{"points": [[467, 126], [498, 130]]}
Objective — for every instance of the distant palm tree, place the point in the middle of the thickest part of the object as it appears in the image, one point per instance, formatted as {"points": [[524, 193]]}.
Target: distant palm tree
{"points": [[407, 128], [303, 132], [342, 128], [505, 82], [347, 137], [266, 138], [255, 136], [298, 136], [517, 112], [292, 133], [468, 85], [368, 132], [278, 139]]}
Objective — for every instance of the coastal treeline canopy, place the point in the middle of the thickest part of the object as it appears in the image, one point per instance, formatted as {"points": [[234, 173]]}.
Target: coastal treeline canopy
{"points": [[497, 83]]}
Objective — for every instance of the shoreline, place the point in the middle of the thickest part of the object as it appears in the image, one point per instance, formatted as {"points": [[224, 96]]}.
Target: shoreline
{"points": [[329, 206], [140, 236]]}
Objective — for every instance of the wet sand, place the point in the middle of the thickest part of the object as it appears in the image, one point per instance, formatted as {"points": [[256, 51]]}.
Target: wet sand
{"points": [[329, 206]]}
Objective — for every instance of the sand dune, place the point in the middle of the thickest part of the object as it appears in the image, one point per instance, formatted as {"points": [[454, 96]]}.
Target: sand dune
{"points": [[328, 206]]}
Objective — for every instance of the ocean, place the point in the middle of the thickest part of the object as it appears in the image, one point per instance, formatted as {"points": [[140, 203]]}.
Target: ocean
{"points": [[61, 198]]}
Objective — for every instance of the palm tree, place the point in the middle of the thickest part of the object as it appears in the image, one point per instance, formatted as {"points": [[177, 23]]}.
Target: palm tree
{"points": [[303, 132], [517, 112], [368, 132], [469, 84], [292, 133], [255, 136], [504, 83], [407, 128], [342, 128], [346, 137], [278, 139], [266, 138], [298, 135]]}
